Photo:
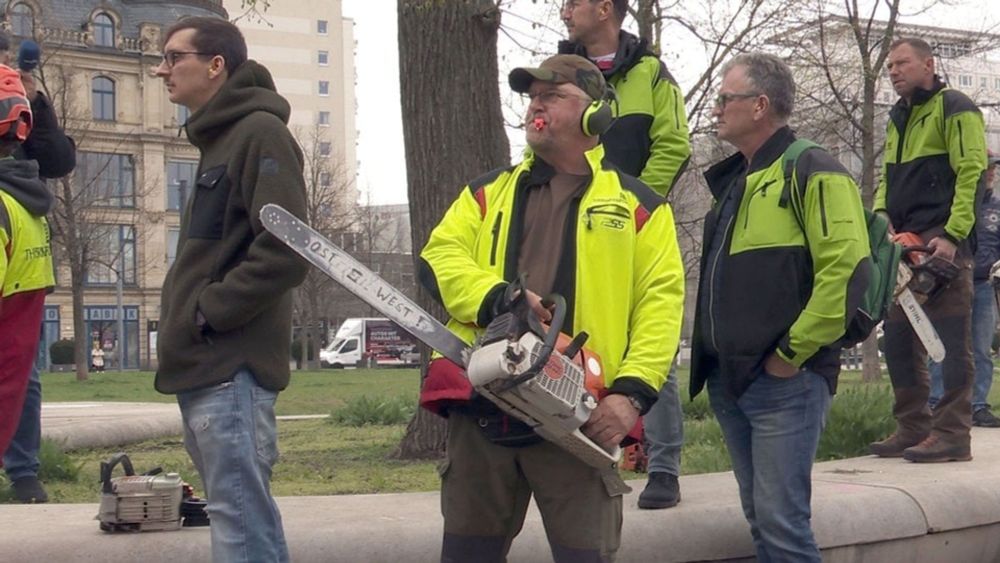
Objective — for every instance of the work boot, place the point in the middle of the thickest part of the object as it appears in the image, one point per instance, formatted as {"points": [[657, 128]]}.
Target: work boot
{"points": [[662, 491], [28, 490], [894, 445], [934, 450], [985, 418]]}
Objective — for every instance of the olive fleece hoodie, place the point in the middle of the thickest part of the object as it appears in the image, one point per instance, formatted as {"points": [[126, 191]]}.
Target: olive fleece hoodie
{"points": [[228, 268]]}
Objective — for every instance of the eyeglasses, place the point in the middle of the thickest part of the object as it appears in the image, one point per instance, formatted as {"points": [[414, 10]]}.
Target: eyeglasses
{"points": [[722, 100], [551, 96], [170, 57]]}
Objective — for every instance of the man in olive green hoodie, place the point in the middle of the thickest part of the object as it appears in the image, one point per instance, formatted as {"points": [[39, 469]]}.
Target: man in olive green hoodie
{"points": [[226, 306]]}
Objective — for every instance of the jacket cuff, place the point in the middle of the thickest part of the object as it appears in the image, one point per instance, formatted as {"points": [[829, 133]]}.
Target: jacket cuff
{"points": [[785, 352], [953, 240], [635, 387], [493, 305]]}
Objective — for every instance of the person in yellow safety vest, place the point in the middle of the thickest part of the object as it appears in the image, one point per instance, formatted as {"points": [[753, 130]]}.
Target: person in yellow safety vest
{"points": [[26, 272]]}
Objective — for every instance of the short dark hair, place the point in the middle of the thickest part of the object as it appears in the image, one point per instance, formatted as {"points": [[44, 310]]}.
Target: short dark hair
{"points": [[621, 9], [214, 36], [922, 47]]}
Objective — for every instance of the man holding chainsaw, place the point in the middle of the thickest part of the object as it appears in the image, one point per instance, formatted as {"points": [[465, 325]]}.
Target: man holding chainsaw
{"points": [[785, 267], [606, 242], [984, 307], [934, 160]]}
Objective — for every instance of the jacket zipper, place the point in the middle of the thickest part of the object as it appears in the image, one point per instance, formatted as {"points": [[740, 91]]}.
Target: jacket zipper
{"points": [[496, 239], [822, 208], [961, 139], [763, 193], [711, 278]]}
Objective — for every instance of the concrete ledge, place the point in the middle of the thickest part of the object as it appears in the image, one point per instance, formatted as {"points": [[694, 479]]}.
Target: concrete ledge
{"points": [[97, 424], [864, 510]]}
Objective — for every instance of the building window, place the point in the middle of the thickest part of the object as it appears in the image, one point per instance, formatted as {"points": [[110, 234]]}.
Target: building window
{"points": [[22, 20], [102, 90], [964, 80], [324, 179], [112, 251], [323, 57], [323, 118], [324, 149], [183, 113], [321, 26], [173, 236], [983, 81], [180, 182], [996, 83], [104, 30], [324, 87], [107, 179]]}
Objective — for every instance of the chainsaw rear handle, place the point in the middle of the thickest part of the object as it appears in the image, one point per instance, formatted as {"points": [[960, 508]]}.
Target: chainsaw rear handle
{"points": [[108, 466]]}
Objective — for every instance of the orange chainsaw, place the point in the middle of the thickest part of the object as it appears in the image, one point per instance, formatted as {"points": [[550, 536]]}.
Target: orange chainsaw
{"points": [[530, 371], [926, 275]]}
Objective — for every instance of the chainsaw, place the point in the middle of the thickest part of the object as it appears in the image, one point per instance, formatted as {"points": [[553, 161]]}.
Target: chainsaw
{"points": [[147, 502], [921, 277], [532, 372]]}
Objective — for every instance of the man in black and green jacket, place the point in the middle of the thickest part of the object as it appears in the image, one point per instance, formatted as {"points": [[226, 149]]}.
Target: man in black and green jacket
{"points": [[784, 268], [226, 308], [649, 140], [933, 169]]}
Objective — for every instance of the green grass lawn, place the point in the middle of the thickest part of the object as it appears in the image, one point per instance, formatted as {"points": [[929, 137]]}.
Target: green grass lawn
{"points": [[321, 457], [310, 392]]}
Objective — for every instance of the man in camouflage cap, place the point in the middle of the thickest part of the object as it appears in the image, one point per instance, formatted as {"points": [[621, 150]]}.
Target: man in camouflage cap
{"points": [[575, 226]]}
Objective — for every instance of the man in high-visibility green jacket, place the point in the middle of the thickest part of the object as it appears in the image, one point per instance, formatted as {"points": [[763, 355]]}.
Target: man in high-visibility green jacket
{"points": [[26, 272], [577, 226], [933, 176], [649, 139]]}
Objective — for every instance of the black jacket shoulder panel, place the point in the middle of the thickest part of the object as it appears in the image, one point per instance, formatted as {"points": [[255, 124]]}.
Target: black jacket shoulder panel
{"points": [[955, 102], [648, 198], [487, 178], [816, 160], [665, 74]]}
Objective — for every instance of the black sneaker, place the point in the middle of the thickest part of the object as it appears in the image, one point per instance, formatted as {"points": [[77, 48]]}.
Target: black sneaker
{"points": [[662, 491], [29, 490], [985, 418]]}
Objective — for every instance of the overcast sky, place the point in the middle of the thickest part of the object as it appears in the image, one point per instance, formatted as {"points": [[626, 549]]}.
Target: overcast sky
{"points": [[529, 25]]}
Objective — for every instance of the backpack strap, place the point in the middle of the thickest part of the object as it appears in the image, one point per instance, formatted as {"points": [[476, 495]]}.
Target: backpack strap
{"points": [[788, 162]]}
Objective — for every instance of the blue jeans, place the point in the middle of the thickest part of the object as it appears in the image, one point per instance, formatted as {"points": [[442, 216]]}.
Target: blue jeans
{"points": [[663, 426], [772, 432], [231, 435], [984, 320], [21, 458]]}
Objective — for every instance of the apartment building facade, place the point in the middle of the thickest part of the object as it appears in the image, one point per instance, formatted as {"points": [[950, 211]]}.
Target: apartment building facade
{"points": [[135, 166]]}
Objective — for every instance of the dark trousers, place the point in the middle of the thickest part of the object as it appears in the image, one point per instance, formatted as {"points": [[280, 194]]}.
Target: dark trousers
{"points": [[951, 314], [486, 488]]}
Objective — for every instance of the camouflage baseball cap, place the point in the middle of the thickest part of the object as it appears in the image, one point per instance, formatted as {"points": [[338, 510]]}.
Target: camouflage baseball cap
{"points": [[561, 69]]}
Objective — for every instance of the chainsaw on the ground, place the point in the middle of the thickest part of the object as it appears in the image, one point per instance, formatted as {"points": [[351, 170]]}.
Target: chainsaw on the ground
{"points": [[148, 502], [532, 372], [922, 276]]}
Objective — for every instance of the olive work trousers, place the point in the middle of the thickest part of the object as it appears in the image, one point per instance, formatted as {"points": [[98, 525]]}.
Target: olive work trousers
{"points": [[485, 490]]}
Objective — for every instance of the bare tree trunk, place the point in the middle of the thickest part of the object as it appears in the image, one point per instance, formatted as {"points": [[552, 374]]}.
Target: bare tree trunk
{"points": [[871, 369], [66, 220], [452, 129]]}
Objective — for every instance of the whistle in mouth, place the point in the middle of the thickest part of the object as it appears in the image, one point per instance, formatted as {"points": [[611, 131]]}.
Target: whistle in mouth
{"points": [[538, 123]]}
